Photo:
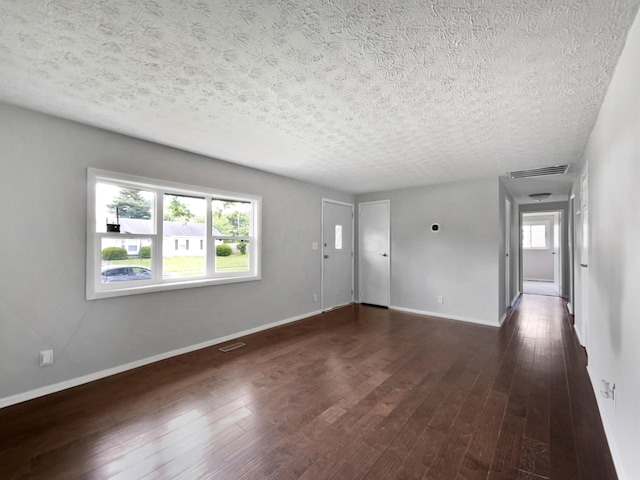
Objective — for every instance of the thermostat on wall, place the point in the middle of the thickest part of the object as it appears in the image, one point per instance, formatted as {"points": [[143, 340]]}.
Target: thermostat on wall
{"points": [[435, 227]]}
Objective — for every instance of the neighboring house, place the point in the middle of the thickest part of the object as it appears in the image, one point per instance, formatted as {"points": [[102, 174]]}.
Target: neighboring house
{"points": [[179, 239]]}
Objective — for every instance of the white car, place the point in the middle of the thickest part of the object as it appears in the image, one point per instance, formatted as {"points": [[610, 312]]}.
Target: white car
{"points": [[125, 273]]}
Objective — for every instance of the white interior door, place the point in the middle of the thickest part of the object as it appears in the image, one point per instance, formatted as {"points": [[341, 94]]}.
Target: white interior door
{"points": [[570, 259], [375, 253], [507, 249], [584, 258], [557, 255], [337, 254]]}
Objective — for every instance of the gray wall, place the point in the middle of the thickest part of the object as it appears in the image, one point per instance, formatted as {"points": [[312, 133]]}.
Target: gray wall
{"points": [[612, 331], [42, 285], [461, 262]]}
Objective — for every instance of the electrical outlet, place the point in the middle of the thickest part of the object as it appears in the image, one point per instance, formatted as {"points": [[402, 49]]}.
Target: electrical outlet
{"points": [[608, 390], [440, 299], [46, 358], [315, 297]]}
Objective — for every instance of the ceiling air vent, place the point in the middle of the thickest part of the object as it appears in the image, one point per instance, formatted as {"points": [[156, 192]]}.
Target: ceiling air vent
{"points": [[540, 172]]}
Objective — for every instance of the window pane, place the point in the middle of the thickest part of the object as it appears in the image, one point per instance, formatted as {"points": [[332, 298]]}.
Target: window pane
{"points": [[231, 218], [125, 259], [538, 236], [534, 236], [130, 208], [235, 258], [338, 237], [183, 227]]}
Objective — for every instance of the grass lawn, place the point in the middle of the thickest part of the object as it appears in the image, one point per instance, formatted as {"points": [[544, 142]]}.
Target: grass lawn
{"points": [[192, 266]]}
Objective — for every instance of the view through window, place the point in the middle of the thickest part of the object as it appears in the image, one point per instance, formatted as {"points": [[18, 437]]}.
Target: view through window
{"points": [[200, 237]]}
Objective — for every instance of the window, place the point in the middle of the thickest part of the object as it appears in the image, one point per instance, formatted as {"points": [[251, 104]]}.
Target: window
{"points": [[143, 235], [231, 227], [535, 235], [338, 237]]}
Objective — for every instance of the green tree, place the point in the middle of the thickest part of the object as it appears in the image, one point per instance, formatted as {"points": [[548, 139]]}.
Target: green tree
{"points": [[177, 211], [131, 204], [229, 219], [239, 224]]}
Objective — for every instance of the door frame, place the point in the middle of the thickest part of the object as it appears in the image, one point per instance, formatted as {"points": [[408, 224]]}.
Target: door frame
{"points": [[584, 258], [387, 202], [571, 238], [322, 252], [507, 248], [560, 258]]}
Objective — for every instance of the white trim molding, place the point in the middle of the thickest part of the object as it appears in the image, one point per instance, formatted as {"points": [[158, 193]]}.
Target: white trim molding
{"points": [[448, 317]]}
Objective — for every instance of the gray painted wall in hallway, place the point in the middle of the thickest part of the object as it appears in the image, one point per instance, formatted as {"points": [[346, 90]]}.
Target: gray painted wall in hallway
{"points": [[613, 331]]}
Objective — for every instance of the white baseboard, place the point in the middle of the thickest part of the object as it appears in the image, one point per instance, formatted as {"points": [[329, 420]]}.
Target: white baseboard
{"points": [[442, 315], [608, 431], [513, 300], [578, 335], [74, 382]]}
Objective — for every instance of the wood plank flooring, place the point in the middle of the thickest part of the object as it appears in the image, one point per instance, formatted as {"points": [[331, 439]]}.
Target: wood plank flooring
{"points": [[359, 392]]}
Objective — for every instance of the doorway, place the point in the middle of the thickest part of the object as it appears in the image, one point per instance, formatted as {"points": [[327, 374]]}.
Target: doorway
{"points": [[374, 223], [542, 253], [337, 254]]}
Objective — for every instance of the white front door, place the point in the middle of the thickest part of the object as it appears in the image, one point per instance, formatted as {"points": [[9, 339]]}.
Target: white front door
{"points": [[375, 253], [337, 254]]}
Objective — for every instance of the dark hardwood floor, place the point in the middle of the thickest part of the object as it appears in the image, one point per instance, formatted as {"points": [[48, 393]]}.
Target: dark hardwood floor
{"points": [[359, 392]]}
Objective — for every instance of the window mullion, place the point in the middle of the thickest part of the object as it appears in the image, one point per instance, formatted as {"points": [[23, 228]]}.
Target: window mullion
{"points": [[210, 243], [158, 237]]}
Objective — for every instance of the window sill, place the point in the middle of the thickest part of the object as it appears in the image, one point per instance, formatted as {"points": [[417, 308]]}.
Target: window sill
{"points": [[165, 286]]}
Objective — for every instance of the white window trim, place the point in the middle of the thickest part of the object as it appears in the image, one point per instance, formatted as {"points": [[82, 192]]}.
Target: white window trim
{"points": [[547, 234], [95, 289]]}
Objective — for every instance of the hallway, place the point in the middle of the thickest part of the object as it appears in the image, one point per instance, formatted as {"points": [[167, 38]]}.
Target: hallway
{"points": [[539, 288]]}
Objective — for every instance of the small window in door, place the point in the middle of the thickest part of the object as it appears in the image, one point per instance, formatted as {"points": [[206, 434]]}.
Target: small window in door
{"points": [[338, 237]]}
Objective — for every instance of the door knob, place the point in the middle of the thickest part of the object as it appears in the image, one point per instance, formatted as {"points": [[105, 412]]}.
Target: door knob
{"points": [[383, 254], [326, 256]]}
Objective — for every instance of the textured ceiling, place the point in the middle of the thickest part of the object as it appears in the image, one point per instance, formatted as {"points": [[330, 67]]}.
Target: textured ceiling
{"points": [[359, 95]]}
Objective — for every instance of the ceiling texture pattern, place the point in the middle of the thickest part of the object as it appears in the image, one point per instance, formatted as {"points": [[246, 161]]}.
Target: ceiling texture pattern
{"points": [[359, 95]]}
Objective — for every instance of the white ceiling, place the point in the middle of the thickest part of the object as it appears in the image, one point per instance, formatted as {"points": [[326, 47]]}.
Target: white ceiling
{"points": [[361, 95]]}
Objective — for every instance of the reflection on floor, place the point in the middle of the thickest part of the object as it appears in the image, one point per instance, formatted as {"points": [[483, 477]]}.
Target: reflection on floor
{"points": [[539, 288]]}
